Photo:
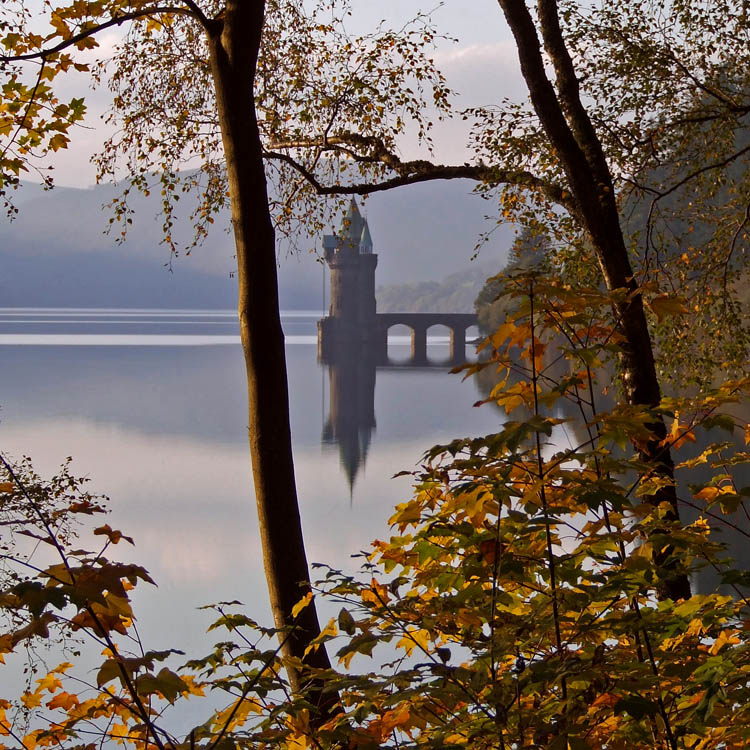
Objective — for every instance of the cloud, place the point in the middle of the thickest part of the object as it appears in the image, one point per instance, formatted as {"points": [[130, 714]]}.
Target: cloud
{"points": [[483, 74], [480, 75]]}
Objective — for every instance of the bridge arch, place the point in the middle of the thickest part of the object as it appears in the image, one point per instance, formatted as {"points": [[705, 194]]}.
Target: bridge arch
{"points": [[440, 340], [420, 323]]}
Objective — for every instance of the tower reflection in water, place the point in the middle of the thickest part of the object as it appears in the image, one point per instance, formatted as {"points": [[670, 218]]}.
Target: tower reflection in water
{"points": [[351, 408]]}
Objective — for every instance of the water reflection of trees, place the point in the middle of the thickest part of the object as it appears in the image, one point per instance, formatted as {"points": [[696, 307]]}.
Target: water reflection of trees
{"points": [[733, 531]]}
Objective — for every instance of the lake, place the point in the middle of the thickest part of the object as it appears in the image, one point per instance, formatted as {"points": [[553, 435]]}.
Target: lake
{"points": [[151, 406]]}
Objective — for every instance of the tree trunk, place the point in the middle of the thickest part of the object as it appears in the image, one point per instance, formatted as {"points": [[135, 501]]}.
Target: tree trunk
{"points": [[234, 42], [570, 131]]}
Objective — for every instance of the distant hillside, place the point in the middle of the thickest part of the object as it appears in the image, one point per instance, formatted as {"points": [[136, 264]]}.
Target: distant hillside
{"points": [[455, 293], [55, 253]]}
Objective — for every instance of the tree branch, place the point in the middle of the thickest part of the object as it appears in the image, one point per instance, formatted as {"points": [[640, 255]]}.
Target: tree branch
{"points": [[26, 111], [408, 172], [198, 13], [569, 92], [706, 168], [85, 34]]}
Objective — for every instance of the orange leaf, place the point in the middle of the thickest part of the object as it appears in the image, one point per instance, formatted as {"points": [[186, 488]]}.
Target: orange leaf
{"points": [[606, 699], [113, 535], [679, 434], [50, 682], [490, 550], [63, 700]]}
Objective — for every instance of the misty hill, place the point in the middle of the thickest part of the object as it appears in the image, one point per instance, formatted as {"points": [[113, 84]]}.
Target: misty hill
{"points": [[55, 253], [457, 292]]}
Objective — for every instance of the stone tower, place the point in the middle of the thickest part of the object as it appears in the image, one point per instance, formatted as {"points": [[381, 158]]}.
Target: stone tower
{"points": [[351, 316]]}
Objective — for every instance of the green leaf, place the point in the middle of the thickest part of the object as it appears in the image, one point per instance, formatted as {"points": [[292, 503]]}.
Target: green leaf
{"points": [[109, 671], [722, 421], [637, 706], [346, 621], [169, 684]]}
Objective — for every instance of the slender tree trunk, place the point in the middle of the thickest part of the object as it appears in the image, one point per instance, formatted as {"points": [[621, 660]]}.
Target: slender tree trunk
{"points": [[569, 129], [234, 41]]}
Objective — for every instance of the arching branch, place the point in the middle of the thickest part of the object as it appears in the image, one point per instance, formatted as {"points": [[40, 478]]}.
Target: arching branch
{"points": [[407, 172], [86, 33]]}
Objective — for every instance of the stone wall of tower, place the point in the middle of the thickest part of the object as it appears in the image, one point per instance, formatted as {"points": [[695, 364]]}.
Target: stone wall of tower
{"points": [[366, 291], [345, 289]]}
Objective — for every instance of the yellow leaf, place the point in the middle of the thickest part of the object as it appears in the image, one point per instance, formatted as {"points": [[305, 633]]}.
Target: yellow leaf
{"points": [[194, 688], [50, 682], [235, 715], [725, 638], [119, 732], [6, 486], [31, 700], [414, 637], [711, 493], [502, 334], [300, 726], [302, 603], [664, 305], [6, 646], [297, 742], [330, 629], [377, 594], [406, 513]]}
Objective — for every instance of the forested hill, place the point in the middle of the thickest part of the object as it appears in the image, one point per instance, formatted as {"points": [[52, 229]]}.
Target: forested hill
{"points": [[457, 292]]}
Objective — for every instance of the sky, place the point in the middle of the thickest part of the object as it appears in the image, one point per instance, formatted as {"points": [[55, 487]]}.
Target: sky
{"points": [[481, 66]]}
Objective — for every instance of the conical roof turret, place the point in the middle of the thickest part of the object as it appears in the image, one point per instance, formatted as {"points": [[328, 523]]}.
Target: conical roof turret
{"points": [[365, 240], [351, 227]]}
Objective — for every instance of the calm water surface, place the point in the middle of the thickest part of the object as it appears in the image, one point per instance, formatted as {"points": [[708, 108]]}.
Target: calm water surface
{"points": [[151, 405]]}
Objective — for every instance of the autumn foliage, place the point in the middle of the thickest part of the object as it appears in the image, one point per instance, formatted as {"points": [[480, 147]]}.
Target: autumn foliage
{"points": [[516, 605], [526, 598]]}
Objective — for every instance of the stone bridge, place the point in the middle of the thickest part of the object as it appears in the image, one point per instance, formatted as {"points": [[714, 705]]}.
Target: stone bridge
{"points": [[419, 323], [353, 322]]}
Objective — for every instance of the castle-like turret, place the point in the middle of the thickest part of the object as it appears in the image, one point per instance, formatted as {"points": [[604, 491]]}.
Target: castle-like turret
{"points": [[348, 253]]}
